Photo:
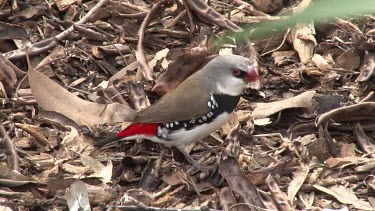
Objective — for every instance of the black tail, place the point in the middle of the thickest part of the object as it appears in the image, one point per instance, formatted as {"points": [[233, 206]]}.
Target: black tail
{"points": [[106, 141]]}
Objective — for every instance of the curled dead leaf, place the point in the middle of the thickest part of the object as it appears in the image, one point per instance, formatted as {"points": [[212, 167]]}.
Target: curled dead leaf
{"points": [[52, 97], [238, 182], [347, 114]]}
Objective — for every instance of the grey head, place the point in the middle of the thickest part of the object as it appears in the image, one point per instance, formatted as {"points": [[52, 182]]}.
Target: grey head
{"points": [[228, 74]]}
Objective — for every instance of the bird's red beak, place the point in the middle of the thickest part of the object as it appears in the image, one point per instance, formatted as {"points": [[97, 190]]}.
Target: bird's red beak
{"points": [[251, 75]]}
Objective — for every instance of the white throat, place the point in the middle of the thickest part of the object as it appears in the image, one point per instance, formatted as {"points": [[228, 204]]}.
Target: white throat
{"points": [[231, 86]]}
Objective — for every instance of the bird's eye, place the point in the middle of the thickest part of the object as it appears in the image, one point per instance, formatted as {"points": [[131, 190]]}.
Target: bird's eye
{"points": [[236, 72]]}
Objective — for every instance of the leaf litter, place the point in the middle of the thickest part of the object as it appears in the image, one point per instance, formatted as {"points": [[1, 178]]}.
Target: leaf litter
{"points": [[302, 140]]}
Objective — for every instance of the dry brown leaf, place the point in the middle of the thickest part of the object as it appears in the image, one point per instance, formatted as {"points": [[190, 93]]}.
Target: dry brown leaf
{"points": [[299, 178], [7, 73], [77, 196], [347, 150], [26, 13], [52, 97], [227, 199], [238, 182], [158, 56], [58, 52], [366, 166], [100, 170], [282, 202], [25, 197], [306, 199], [12, 31], [100, 194], [123, 73], [172, 178], [115, 49], [302, 35], [11, 178], [265, 109], [347, 114], [41, 161], [303, 40], [140, 196], [36, 132], [320, 62], [365, 142], [56, 119], [64, 4], [348, 60], [284, 57], [76, 170], [372, 201], [346, 161], [267, 6], [345, 195], [71, 137]]}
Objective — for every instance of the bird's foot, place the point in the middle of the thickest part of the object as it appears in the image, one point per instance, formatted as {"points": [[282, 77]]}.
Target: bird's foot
{"points": [[203, 168], [208, 147], [193, 162], [198, 166]]}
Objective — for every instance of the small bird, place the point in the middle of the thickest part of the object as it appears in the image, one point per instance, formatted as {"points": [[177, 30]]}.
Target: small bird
{"points": [[199, 106]]}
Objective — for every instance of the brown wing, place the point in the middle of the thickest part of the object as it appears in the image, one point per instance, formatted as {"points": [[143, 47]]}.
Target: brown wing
{"points": [[187, 101]]}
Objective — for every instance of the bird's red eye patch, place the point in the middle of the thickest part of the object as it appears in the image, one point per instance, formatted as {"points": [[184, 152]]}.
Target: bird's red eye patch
{"points": [[236, 72]]}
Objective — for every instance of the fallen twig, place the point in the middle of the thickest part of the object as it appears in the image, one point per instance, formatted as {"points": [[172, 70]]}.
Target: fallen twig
{"points": [[49, 43], [139, 15], [139, 53], [191, 22], [203, 10]]}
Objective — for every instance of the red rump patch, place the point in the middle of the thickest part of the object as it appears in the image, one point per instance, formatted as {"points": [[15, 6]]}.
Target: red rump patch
{"points": [[139, 129]]}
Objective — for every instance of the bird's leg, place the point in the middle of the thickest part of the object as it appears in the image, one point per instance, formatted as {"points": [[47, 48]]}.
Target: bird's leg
{"points": [[208, 147], [191, 160]]}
